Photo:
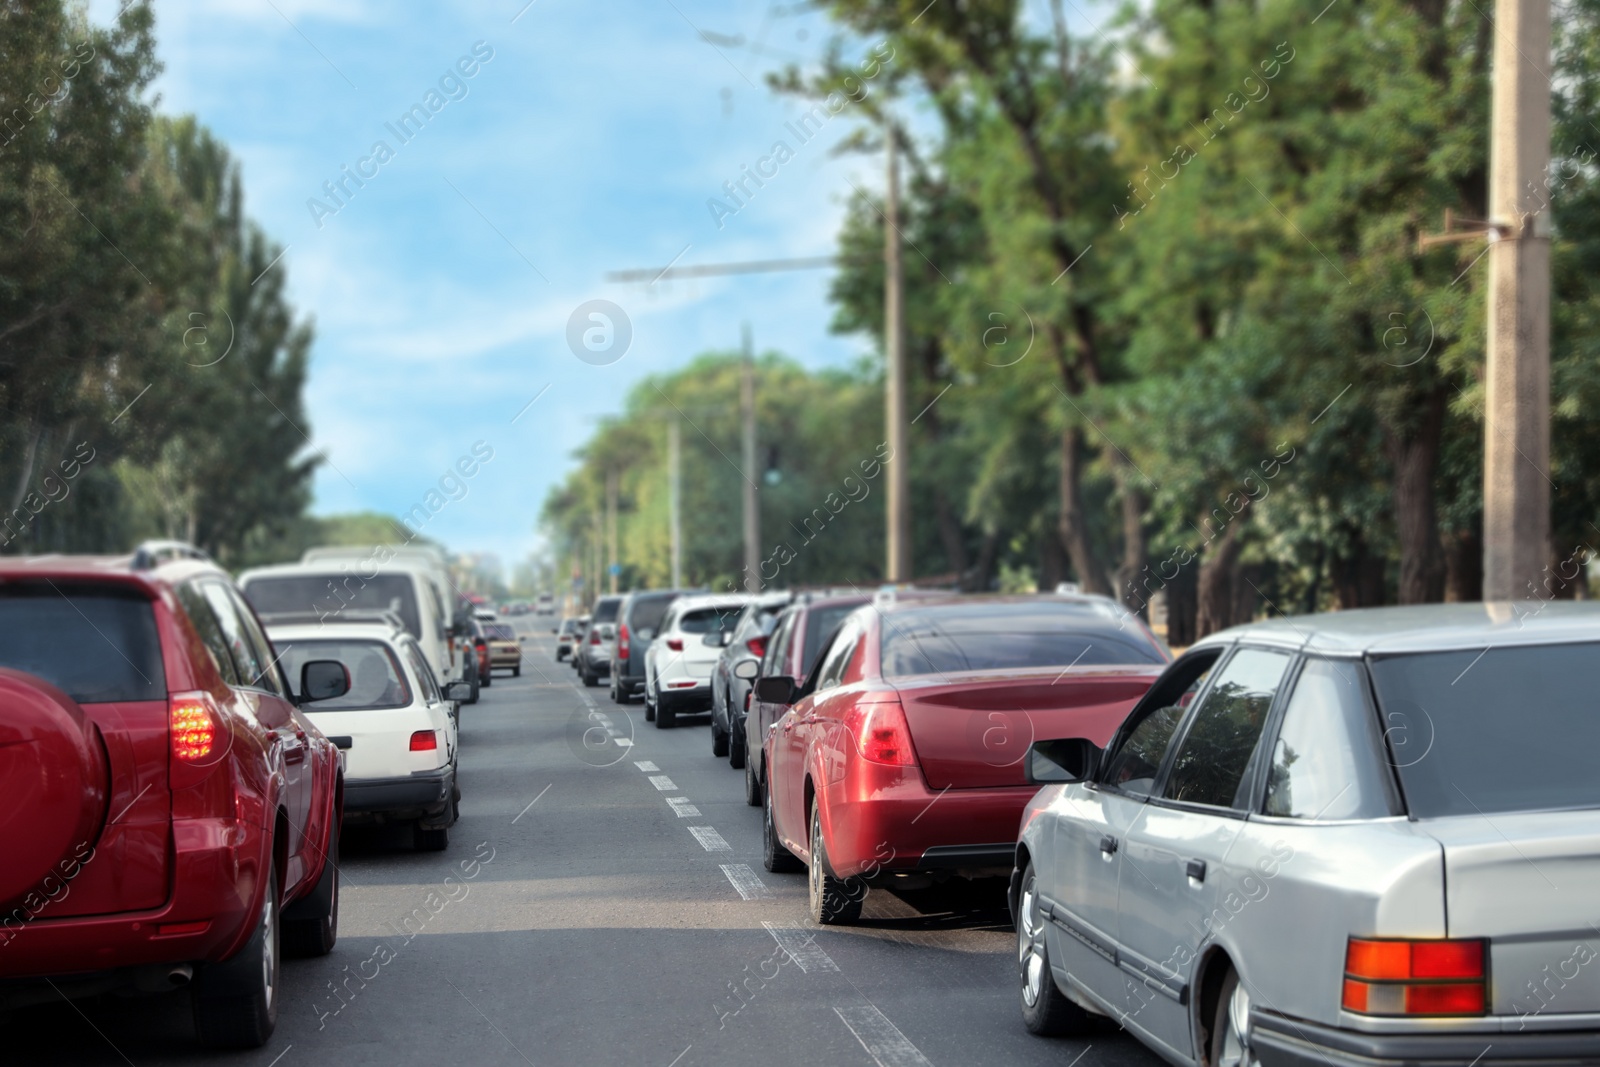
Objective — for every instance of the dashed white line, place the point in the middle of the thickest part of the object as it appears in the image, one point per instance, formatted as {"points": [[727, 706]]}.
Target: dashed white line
{"points": [[663, 783], [709, 839], [746, 882], [684, 807], [802, 947], [624, 742], [645, 765], [881, 1038]]}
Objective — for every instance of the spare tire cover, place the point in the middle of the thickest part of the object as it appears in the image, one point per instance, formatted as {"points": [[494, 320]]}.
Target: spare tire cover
{"points": [[53, 784]]}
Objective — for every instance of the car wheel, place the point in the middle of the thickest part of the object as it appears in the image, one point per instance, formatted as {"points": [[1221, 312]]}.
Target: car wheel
{"points": [[516, 672], [832, 901], [719, 741], [474, 683], [1046, 1011], [486, 679], [752, 784], [1231, 1028], [649, 707], [774, 857], [311, 925], [736, 757], [424, 839], [666, 715], [589, 680], [236, 1001]]}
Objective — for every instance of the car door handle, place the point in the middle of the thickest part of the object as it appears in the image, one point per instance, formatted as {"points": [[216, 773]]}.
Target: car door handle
{"points": [[1108, 844], [1196, 869]]}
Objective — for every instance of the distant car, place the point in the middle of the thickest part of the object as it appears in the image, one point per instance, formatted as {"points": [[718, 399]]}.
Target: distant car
{"points": [[730, 694], [546, 605], [638, 619], [567, 637], [154, 762], [801, 632], [593, 656], [395, 726], [505, 652], [679, 661], [902, 758], [1368, 837], [480, 653], [487, 615]]}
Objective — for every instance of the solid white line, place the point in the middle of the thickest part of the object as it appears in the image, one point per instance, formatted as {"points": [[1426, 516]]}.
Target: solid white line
{"points": [[709, 839], [645, 765], [881, 1038], [684, 807], [745, 881], [531, 803], [663, 783], [802, 947]]}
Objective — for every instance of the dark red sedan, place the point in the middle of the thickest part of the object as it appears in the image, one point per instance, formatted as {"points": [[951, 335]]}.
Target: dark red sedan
{"points": [[901, 757]]}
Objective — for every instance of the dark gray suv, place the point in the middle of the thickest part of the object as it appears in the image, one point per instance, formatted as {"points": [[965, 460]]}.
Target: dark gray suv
{"points": [[638, 620]]}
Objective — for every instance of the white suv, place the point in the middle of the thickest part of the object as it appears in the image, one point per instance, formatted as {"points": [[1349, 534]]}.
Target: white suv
{"points": [[397, 729], [678, 665]]}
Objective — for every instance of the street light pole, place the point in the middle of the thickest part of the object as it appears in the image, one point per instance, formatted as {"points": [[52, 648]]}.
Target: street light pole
{"points": [[752, 514], [1516, 461], [894, 329], [674, 497], [612, 479]]}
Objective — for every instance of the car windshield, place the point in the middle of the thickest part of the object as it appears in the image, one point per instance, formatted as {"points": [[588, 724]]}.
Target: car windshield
{"points": [[1483, 731], [709, 620], [330, 595], [1015, 636], [94, 643], [376, 680]]}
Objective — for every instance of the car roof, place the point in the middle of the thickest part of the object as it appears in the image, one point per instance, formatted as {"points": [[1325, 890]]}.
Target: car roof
{"points": [[345, 631], [1423, 628], [118, 569], [715, 600], [331, 566]]}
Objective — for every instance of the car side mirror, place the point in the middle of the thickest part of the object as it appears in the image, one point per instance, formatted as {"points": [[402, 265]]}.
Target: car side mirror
{"points": [[1063, 760], [747, 669], [777, 690], [458, 692], [323, 679]]}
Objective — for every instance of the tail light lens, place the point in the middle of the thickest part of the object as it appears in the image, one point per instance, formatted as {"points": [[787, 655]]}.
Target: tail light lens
{"points": [[622, 640], [881, 734], [1410, 977], [424, 741], [675, 643], [594, 637], [480, 644], [757, 647], [193, 726]]}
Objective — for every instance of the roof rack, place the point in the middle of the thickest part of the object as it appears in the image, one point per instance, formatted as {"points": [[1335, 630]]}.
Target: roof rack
{"points": [[151, 554]]}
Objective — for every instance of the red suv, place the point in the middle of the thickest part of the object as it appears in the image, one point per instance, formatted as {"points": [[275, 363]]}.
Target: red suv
{"points": [[168, 817]]}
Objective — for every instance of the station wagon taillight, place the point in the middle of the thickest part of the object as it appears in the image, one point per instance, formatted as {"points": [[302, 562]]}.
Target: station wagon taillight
{"points": [[192, 725], [424, 741], [881, 734], [1415, 977]]}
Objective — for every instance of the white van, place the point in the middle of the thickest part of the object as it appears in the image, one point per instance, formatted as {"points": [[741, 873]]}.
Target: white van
{"points": [[319, 592]]}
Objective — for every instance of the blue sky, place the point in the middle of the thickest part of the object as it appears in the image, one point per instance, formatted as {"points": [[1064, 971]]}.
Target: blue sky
{"points": [[590, 142]]}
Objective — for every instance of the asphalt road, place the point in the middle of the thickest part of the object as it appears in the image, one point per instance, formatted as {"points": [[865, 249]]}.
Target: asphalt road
{"points": [[603, 902]]}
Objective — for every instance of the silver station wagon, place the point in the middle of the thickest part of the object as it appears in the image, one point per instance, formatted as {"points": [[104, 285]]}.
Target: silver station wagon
{"points": [[1369, 837]]}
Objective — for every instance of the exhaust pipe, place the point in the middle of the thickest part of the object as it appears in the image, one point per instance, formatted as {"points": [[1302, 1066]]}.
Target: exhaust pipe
{"points": [[180, 976]]}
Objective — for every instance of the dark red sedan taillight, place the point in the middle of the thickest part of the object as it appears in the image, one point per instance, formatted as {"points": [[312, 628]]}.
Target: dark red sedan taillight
{"points": [[881, 734], [1415, 977]]}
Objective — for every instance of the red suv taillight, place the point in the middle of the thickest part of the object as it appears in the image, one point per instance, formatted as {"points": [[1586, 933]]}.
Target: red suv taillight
{"points": [[622, 641], [424, 741], [675, 643], [1409, 977], [192, 725], [881, 734], [757, 646]]}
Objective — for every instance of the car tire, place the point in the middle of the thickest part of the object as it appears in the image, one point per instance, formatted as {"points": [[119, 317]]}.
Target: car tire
{"points": [[487, 678], [736, 754], [236, 1001], [649, 707], [429, 839], [516, 672], [1046, 1011], [1229, 1047], [666, 714], [719, 741], [831, 901], [589, 680], [752, 784], [774, 856], [474, 683], [311, 924]]}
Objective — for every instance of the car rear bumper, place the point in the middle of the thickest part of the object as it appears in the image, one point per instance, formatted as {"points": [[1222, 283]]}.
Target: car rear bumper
{"points": [[684, 695], [1282, 1042], [425, 795], [887, 819]]}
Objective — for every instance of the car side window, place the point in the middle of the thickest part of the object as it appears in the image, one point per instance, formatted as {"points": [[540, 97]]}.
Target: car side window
{"points": [[1133, 767], [1215, 752], [419, 664], [776, 661], [269, 679], [205, 623], [245, 657], [1325, 763], [831, 673]]}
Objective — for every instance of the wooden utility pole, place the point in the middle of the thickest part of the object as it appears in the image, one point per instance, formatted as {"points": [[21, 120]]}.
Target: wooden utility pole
{"points": [[752, 513], [674, 497], [612, 480], [1516, 461], [894, 341]]}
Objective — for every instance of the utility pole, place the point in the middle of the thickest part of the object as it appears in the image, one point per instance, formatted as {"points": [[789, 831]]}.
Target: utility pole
{"points": [[752, 513], [611, 524], [1516, 461], [674, 497], [894, 340]]}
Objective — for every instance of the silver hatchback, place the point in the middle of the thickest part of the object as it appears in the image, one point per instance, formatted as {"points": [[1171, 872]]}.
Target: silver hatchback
{"points": [[1369, 837]]}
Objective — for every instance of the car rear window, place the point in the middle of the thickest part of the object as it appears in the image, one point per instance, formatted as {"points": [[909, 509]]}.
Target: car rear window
{"points": [[647, 612], [97, 644], [709, 620], [820, 624], [1493, 730], [605, 609], [500, 632], [331, 594], [979, 637], [376, 680]]}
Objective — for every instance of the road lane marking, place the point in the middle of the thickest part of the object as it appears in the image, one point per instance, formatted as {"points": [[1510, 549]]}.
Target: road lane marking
{"points": [[802, 947], [684, 807], [663, 783], [709, 839], [882, 1039], [745, 881], [624, 742], [645, 765]]}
